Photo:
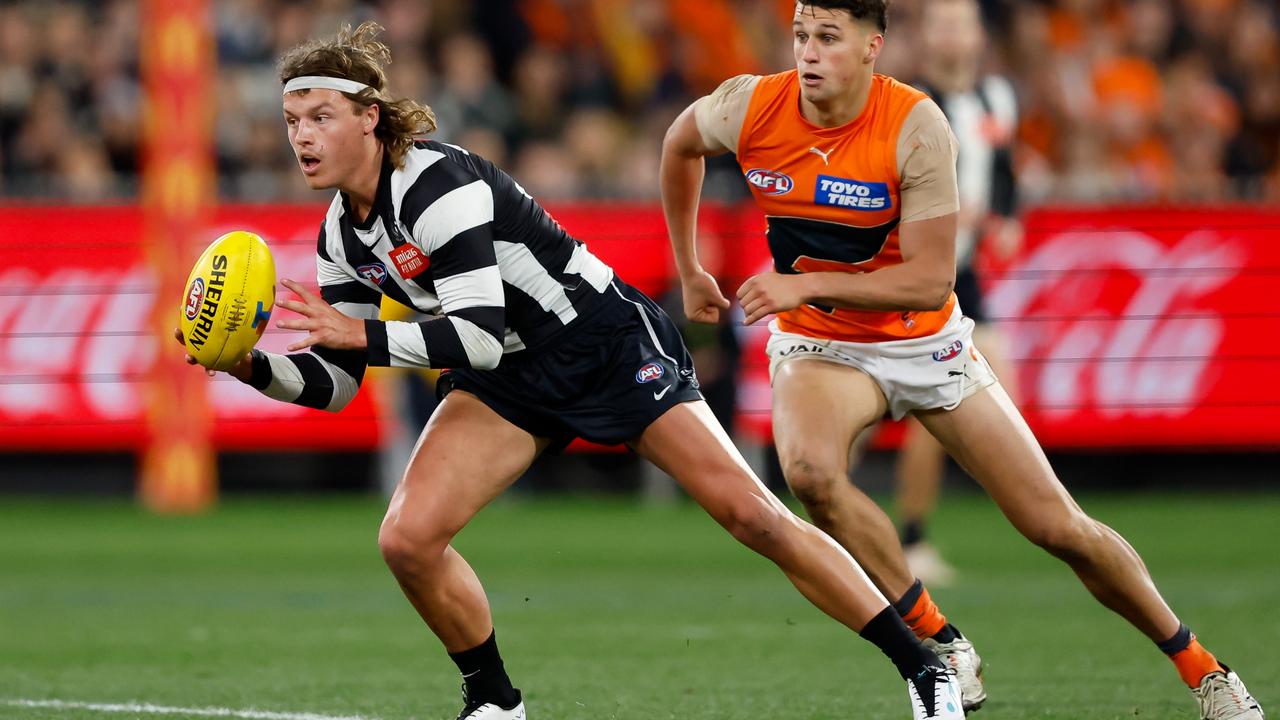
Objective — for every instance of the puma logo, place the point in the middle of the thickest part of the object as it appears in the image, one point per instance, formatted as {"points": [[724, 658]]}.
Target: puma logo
{"points": [[824, 155]]}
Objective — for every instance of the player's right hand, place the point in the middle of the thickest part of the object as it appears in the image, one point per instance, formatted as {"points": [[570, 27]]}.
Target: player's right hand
{"points": [[703, 300], [240, 371]]}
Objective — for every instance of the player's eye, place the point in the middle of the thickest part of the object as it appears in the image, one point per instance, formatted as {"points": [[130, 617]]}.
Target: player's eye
{"points": [[321, 118], [828, 38], [801, 37], [291, 121]]}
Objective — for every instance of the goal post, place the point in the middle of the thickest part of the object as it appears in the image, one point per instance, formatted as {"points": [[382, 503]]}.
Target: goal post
{"points": [[178, 196]]}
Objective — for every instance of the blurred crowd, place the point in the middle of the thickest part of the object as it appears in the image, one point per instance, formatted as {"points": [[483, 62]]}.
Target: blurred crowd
{"points": [[1174, 100]]}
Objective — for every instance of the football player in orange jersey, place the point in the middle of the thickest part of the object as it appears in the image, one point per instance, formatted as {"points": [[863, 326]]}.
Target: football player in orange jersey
{"points": [[856, 175]]}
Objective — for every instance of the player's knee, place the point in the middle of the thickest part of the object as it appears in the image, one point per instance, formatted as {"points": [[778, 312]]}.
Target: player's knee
{"points": [[411, 548], [812, 482], [757, 522], [1068, 538]]}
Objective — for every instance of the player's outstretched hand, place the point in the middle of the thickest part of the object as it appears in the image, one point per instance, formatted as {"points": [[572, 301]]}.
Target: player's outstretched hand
{"points": [[241, 370], [770, 292], [325, 326], [703, 300]]}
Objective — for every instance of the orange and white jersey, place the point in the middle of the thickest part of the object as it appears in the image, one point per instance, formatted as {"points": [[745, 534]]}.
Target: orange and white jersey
{"points": [[835, 197]]}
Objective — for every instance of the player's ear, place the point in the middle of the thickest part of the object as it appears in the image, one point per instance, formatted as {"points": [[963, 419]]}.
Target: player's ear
{"points": [[875, 43], [369, 121]]}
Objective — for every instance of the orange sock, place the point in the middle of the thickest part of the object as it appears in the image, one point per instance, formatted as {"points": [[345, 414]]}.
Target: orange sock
{"points": [[1194, 663], [922, 616]]}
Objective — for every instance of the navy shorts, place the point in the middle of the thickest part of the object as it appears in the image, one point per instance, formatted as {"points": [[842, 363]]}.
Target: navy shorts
{"points": [[969, 295], [605, 378]]}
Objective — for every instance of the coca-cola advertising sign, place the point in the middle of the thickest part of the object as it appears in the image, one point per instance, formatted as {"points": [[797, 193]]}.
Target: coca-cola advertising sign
{"points": [[1156, 327], [1130, 328], [75, 346]]}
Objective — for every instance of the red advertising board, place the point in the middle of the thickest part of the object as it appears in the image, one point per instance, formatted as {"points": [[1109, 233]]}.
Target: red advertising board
{"points": [[1147, 327], [1131, 327], [75, 345]]}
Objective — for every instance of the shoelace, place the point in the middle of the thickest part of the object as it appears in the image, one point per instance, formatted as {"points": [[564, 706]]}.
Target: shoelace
{"points": [[940, 676], [1220, 696]]}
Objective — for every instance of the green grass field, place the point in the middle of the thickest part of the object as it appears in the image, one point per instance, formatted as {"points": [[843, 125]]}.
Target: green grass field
{"points": [[605, 609]]}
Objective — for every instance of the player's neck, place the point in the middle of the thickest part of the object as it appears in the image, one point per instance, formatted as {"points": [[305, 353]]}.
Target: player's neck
{"points": [[363, 187], [840, 109]]}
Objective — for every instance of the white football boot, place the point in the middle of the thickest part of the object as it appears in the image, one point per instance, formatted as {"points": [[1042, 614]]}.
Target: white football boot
{"points": [[960, 656], [1223, 697], [473, 710], [939, 688], [926, 563]]}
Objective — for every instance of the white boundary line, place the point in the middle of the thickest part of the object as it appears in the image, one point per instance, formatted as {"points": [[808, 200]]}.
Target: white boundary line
{"points": [[148, 708]]}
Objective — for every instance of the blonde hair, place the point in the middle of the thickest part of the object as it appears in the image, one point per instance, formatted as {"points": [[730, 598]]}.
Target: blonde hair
{"points": [[358, 55]]}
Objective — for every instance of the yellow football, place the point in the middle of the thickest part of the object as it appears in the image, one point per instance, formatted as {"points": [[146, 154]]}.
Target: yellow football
{"points": [[230, 293]]}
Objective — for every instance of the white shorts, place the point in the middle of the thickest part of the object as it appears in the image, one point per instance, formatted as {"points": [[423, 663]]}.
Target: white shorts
{"points": [[937, 371]]}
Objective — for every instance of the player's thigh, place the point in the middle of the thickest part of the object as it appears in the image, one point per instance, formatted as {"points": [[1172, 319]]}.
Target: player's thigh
{"points": [[988, 437], [688, 443], [466, 456], [819, 408]]}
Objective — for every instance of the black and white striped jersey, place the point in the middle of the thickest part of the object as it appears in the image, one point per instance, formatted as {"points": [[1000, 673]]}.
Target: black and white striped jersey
{"points": [[984, 121], [457, 239]]}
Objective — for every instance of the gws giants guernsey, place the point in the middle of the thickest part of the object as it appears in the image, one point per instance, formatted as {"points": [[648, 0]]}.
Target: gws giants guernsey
{"points": [[835, 197]]}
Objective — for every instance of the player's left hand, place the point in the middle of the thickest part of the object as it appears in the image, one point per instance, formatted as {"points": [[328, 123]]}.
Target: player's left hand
{"points": [[770, 292], [326, 326]]}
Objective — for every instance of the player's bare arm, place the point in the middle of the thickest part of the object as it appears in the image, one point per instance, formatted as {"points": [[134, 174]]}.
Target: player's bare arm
{"points": [[923, 280], [683, 168]]}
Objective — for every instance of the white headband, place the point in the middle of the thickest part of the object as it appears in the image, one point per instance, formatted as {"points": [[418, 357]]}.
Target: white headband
{"points": [[321, 82]]}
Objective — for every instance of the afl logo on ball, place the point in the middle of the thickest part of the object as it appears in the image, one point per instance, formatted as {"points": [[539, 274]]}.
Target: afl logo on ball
{"points": [[649, 372], [375, 272], [195, 298], [770, 182]]}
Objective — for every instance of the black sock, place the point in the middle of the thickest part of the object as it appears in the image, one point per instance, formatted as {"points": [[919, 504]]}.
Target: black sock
{"points": [[888, 632], [486, 679], [947, 634], [1178, 642], [912, 532]]}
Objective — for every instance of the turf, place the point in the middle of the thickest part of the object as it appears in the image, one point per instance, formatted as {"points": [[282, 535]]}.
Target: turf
{"points": [[605, 609]]}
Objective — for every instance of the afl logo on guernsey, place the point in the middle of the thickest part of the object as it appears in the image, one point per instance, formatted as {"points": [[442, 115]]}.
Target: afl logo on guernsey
{"points": [[851, 194], [649, 372], [374, 272], [195, 298], [770, 182]]}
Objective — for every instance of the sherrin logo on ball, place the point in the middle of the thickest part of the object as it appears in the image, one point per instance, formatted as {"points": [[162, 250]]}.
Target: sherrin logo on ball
{"points": [[233, 281]]}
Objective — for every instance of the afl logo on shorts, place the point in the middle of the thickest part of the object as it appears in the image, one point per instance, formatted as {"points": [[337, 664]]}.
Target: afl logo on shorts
{"points": [[375, 272], [770, 182], [195, 298], [649, 372], [948, 352]]}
